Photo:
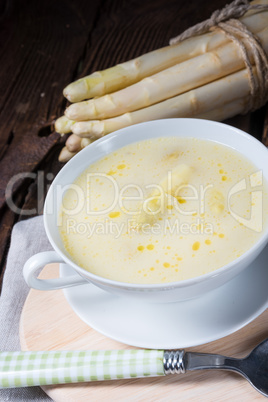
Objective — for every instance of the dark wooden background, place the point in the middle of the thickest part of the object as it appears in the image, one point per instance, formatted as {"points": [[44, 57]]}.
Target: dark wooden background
{"points": [[46, 44]]}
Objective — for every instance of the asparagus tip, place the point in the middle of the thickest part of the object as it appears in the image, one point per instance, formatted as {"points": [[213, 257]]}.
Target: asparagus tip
{"points": [[63, 125], [65, 155], [76, 91], [73, 143]]}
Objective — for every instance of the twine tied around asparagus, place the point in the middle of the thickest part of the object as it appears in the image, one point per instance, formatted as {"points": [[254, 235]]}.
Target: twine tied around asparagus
{"points": [[226, 21]]}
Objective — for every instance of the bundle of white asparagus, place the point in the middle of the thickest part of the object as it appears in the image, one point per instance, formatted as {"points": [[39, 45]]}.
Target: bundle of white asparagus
{"points": [[203, 77]]}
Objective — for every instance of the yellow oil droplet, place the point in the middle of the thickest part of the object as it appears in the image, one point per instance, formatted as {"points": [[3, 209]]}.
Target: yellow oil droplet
{"points": [[176, 270], [150, 247], [219, 164], [221, 171], [168, 247], [224, 178], [115, 214], [152, 269], [196, 246], [157, 261], [140, 248], [139, 272], [111, 172], [166, 264], [173, 155], [208, 242], [194, 214], [179, 258], [122, 166], [181, 200], [221, 235], [169, 206]]}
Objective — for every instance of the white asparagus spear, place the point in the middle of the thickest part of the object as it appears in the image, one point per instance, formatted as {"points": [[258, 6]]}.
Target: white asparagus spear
{"points": [[65, 155], [212, 95], [130, 72], [166, 84], [63, 125], [73, 143], [86, 141], [223, 112], [192, 103]]}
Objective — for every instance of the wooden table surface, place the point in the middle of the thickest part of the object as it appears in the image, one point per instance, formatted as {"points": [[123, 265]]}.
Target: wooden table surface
{"points": [[46, 44]]}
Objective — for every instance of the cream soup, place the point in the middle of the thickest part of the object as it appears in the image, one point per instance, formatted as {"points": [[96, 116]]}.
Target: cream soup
{"points": [[163, 210]]}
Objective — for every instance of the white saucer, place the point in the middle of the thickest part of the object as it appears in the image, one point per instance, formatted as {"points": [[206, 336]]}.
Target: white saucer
{"points": [[174, 325]]}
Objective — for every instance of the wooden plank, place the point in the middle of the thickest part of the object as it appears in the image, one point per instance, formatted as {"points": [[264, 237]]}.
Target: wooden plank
{"points": [[45, 39], [41, 44], [59, 328], [265, 129]]}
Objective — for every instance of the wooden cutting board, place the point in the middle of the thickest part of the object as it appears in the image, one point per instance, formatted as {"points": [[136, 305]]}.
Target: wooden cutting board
{"points": [[49, 323]]}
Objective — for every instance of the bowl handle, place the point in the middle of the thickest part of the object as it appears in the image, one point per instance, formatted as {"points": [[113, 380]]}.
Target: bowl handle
{"points": [[39, 261]]}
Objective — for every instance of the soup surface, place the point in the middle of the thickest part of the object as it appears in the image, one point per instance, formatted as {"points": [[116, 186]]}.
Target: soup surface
{"points": [[163, 210]]}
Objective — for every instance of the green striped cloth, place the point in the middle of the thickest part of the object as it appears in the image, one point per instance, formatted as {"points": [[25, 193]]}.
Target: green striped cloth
{"points": [[22, 369]]}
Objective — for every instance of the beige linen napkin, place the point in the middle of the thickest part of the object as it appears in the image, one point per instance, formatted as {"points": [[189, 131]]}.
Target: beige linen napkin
{"points": [[28, 238]]}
